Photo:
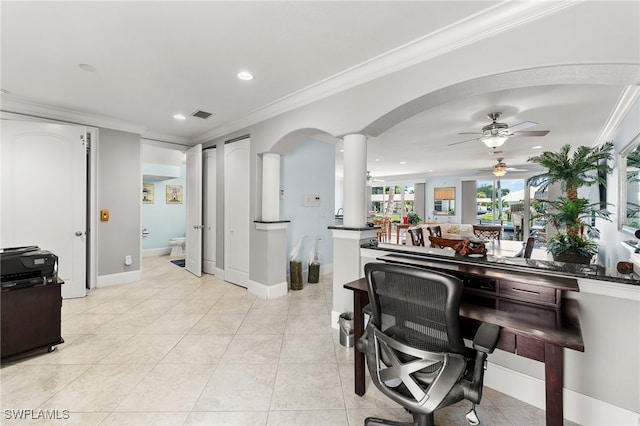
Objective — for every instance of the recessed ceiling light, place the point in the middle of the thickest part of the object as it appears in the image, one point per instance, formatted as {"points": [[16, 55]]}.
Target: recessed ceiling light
{"points": [[403, 162], [87, 67], [536, 147], [179, 117], [245, 75], [377, 159]]}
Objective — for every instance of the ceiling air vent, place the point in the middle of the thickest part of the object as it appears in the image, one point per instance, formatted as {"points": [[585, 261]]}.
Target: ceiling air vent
{"points": [[201, 114]]}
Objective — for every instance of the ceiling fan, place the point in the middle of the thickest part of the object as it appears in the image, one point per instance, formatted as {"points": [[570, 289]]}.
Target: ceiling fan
{"points": [[495, 134], [500, 168], [371, 179]]}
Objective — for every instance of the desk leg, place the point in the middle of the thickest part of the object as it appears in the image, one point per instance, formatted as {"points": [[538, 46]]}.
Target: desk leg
{"points": [[360, 299], [553, 372]]}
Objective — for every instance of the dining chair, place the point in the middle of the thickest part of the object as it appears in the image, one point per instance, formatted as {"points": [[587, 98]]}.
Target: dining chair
{"points": [[417, 237], [435, 231]]}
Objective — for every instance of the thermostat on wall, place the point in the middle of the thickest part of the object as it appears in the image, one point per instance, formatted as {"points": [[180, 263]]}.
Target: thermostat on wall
{"points": [[311, 200]]}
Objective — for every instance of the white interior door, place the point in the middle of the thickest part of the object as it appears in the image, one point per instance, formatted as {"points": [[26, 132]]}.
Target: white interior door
{"points": [[193, 258], [44, 176], [236, 212], [209, 157]]}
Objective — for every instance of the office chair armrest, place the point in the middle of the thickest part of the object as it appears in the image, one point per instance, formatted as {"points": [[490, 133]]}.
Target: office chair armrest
{"points": [[486, 338], [484, 343]]}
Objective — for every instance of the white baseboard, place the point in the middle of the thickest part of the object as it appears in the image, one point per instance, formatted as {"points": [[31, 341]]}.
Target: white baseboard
{"points": [[335, 317], [267, 291], [326, 269], [219, 273], [209, 267], [578, 408], [156, 252], [121, 278]]}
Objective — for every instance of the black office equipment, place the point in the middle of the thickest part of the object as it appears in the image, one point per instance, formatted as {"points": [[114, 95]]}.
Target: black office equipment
{"points": [[27, 266]]}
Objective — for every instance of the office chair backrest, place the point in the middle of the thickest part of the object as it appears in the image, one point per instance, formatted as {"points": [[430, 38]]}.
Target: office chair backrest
{"points": [[417, 237], [528, 248], [416, 306]]}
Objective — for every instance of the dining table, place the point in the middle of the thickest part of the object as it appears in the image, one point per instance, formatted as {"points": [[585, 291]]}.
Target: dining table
{"points": [[399, 228]]}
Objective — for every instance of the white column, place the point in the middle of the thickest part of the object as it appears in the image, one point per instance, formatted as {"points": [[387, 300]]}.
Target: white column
{"points": [[355, 180], [270, 187]]}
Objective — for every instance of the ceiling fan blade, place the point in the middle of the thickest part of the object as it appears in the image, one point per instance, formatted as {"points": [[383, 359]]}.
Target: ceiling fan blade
{"points": [[470, 133], [522, 126], [515, 169], [468, 140], [531, 133]]}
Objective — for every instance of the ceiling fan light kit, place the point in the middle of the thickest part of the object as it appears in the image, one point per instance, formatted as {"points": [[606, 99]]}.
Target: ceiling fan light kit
{"points": [[500, 169], [494, 141]]}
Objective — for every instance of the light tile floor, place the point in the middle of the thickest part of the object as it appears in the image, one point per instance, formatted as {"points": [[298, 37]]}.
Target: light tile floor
{"points": [[174, 349]]}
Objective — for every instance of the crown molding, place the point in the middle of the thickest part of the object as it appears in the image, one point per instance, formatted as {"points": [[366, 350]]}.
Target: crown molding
{"points": [[491, 21], [34, 110], [628, 98], [164, 138]]}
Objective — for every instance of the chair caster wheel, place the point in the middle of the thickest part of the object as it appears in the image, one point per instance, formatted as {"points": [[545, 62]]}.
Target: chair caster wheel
{"points": [[51, 349], [472, 417]]}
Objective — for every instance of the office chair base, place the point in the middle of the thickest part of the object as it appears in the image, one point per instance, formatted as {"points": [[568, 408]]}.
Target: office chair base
{"points": [[418, 421]]}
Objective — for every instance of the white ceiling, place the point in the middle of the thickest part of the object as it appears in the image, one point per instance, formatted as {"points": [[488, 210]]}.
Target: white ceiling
{"points": [[155, 59]]}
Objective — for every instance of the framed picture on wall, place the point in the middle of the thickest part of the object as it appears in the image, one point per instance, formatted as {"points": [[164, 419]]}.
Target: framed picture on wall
{"points": [[147, 193], [174, 194]]}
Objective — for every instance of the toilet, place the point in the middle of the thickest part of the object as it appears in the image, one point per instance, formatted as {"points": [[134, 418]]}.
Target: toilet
{"points": [[177, 246]]}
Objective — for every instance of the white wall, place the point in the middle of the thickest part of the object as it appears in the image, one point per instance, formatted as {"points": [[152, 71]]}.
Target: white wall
{"points": [[309, 169], [119, 191]]}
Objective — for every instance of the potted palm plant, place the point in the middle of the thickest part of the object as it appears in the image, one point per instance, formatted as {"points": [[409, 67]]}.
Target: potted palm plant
{"points": [[571, 215]]}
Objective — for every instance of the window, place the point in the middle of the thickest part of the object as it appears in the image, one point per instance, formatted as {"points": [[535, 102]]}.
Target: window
{"points": [[393, 201], [444, 201]]}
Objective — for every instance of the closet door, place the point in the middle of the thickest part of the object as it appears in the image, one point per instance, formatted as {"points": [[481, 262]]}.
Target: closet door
{"points": [[44, 197], [236, 212], [193, 258], [209, 157]]}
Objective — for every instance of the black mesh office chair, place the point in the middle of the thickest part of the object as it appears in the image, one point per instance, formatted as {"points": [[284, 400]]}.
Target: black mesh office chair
{"points": [[413, 342]]}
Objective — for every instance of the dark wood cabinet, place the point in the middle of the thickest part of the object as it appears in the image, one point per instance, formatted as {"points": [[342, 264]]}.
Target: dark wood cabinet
{"points": [[31, 319]]}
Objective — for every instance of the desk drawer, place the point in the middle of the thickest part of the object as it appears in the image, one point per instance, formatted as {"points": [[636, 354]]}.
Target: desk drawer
{"points": [[527, 292]]}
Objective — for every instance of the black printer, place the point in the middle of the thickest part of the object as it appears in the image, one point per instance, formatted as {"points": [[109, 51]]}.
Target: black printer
{"points": [[27, 266]]}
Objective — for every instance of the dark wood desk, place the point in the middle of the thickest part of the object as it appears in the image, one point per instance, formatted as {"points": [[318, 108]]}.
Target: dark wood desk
{"points": [[527, 329]]}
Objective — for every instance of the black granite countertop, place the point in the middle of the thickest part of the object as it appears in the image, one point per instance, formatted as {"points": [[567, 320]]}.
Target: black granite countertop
{"points": [[547, 267]]}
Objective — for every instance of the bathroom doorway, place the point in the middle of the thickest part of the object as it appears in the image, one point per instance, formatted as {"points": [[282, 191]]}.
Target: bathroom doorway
{"points": [[163, 198]]}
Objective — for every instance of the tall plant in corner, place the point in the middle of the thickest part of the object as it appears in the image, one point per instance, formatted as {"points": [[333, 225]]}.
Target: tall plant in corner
{"points": [[570, 214]]}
